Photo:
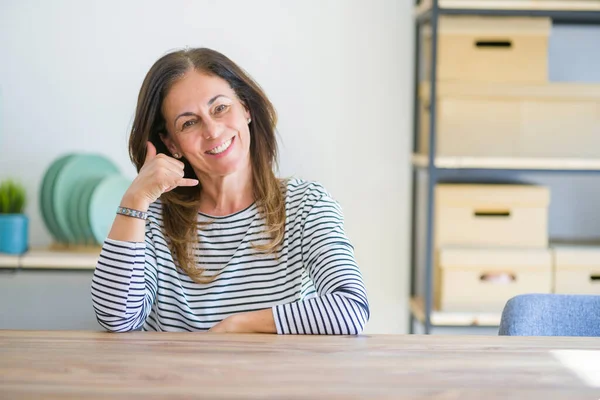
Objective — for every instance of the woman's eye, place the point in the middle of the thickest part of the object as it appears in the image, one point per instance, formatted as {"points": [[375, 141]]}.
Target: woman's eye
{"points": [[220, 108], [187, 124]]}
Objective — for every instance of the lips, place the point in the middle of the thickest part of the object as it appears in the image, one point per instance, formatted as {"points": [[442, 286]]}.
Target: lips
{"points": [[220, 148]]}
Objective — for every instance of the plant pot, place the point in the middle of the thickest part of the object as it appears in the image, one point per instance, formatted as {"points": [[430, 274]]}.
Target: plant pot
{"points": [[13, 233]]}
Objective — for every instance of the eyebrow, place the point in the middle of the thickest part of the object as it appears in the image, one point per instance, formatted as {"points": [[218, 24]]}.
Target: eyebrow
{"points": [[191, 114]]}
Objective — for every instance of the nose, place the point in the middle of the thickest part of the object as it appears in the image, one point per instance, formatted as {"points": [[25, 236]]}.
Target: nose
{"points": [[212, 129]]}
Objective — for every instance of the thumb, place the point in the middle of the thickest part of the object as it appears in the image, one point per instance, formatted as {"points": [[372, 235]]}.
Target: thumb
{"points": [[150, 152]]}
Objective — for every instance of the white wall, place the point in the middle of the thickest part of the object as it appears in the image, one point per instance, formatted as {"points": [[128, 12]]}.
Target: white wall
{"points": [[338, 71]]}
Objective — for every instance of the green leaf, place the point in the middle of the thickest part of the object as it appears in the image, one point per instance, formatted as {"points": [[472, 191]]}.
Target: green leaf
{"points": [[12, 197]]}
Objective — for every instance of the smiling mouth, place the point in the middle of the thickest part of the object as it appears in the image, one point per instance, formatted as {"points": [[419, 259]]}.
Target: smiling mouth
{"points": [[221, 148]]}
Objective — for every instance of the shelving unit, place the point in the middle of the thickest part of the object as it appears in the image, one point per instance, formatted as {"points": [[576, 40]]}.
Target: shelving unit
{"points": [[50, 260], [571, 165], [436, 168], [453, 319], [572, 10]]}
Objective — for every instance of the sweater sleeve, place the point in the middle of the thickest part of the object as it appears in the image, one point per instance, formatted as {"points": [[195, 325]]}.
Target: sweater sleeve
{"points": [[124, 283], [341, 305]]}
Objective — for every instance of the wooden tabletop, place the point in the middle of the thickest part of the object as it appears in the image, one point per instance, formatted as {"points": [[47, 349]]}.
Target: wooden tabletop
{"points": [[90, 365]]}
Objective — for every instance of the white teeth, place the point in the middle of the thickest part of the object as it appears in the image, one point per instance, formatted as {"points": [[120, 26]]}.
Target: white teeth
{"points": [[221, 148]]}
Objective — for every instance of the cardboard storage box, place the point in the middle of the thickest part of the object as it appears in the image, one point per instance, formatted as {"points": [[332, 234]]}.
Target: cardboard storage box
{"points": [[491, 215], [483, 280], [558, 120], [490, 49], [577, 269]]}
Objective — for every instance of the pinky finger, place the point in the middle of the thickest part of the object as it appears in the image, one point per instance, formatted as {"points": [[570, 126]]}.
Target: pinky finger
{"points": [[187, 182]]}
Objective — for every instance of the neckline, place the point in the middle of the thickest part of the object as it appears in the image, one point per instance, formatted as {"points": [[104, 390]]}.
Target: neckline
{"points": [[224, 217]]}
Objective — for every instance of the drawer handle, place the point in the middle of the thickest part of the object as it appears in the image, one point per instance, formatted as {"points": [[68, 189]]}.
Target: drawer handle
{"points": [[595, 278], [498, 277], [493, 214], [493, 44]]}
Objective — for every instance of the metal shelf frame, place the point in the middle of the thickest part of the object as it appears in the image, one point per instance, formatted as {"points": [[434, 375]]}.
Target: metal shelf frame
{"points": [[430, 16], [558, 16]]}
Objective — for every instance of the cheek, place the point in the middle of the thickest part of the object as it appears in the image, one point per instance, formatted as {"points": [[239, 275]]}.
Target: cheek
{"points": [[191, 141], [247, 137]]}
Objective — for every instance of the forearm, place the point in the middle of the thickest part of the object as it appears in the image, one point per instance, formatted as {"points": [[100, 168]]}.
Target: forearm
{"points": [[261, 321], [121, 292], [258, 321], [129, 229], [342, 307], [337, 313]]}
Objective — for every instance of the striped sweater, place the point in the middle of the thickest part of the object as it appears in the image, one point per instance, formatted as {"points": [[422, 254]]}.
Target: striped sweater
{"points": [[312, 283]]}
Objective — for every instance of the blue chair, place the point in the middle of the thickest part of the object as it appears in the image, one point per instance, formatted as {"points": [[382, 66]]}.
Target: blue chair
{"points": [[551, 315]]}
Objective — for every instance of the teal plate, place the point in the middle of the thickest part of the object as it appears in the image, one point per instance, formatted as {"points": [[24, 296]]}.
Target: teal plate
{"points": [[83, 210], [103, 205], [78, 170], [46, 207], [80, 200]]}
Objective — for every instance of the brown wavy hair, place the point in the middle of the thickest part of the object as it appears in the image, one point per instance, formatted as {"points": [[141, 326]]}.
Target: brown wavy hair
{"points": [[180, 206]]}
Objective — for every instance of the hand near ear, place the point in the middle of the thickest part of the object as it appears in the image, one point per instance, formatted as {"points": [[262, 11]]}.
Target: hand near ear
{"points": [[159, 174]]}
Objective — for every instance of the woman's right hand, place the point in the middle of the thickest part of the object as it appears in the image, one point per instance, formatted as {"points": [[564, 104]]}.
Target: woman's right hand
{"points": [[159, 174]]}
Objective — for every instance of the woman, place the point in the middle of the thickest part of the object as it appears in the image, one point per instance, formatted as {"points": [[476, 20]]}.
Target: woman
{"points": [[206, 237]]}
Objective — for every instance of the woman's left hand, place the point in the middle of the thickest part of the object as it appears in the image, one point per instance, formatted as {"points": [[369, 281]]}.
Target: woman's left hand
{"points": [[230, 324], [249, 322]]}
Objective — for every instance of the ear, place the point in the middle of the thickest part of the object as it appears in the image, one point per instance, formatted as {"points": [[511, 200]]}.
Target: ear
{"points": [[246, 112], [168, 141]]}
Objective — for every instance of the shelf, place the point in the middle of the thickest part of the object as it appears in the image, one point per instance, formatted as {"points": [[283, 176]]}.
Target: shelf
{"points": [[9, 261], [549, 91], [508, 163], [50, 259], [522, 5], [441, 318], [573, 10]]}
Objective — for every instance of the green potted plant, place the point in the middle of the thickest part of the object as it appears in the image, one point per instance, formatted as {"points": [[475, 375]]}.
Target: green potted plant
{"points": [[13, 222]]}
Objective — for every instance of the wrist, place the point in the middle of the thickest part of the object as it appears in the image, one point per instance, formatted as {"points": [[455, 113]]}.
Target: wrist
{"points": [[241, 323], [261, 321], [135, 202]]}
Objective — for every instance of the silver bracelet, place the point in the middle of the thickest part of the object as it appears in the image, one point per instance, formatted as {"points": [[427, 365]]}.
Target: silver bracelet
{"points": [[129, 212]]}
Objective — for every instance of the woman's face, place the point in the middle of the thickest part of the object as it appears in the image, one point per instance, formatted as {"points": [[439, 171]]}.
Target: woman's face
{"points": [[207, 124]]}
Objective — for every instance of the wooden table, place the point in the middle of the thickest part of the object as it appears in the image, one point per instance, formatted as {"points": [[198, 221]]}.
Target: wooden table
{"points": [[89, 365]]}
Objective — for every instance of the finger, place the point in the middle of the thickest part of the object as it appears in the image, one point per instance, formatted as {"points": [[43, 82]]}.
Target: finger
{"points": [[150, 152], [170, 179], [183, 182], [171, 162], [174, 178], [187, 182], [217, 329], [164, 168]]}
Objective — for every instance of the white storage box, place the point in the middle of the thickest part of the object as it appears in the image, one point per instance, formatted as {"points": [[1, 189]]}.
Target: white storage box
{"points": [[491, 215], [483, 280], [490, 49], [558, 120], [576, 269]]}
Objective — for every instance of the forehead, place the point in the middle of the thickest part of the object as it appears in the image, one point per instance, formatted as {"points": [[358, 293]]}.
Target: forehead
{"points": [[194, 90]]}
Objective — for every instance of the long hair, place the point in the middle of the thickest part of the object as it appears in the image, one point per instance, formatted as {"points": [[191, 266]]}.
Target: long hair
{"points": [[180, 206]]}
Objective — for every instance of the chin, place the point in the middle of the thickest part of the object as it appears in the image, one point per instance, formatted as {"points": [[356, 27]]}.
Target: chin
{"points": [[231, 168]]}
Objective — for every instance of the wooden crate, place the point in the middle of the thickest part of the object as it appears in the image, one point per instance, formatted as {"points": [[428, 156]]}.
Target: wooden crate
{"points": [[491, 215], [557, 120], [484, 279], [490, 49]]}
